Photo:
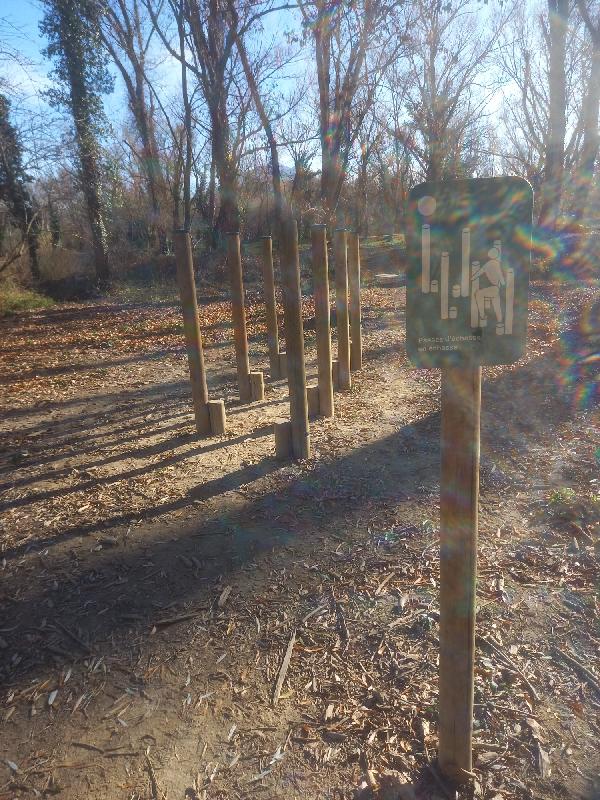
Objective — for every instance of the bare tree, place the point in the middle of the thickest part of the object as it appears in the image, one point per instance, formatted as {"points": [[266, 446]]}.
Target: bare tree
{"points": [[524, 59], [447, 94], [556, 41], [353, 44], [591, 140], [80, 69], [128, 38]]}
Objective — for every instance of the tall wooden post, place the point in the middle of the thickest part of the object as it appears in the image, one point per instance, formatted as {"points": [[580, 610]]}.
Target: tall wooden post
{"points": [[191, 326], [322, 321], [294, 339], [461, 403], [341, 306], [238, 314], [270, 305], [354, 289]]}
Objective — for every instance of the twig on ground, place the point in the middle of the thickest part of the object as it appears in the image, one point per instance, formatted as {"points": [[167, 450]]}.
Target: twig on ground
{"points": [[508, 662], [579, 668], [156, 793], [74, 637], [284, 668]]}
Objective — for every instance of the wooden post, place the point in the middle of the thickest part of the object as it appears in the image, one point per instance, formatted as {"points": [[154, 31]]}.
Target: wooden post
{"points": [[283, 365], [270, 306], [191, 327], [257, 386], [216, 409], [335, 374], [238, 315], [461, 403], [283, 439], [294, 339], [354, 289], [341, 305], [313, 402], [322, 321]]}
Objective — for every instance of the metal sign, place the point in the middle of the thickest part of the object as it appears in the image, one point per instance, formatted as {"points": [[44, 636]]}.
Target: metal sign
{"points": [[469, 250]]}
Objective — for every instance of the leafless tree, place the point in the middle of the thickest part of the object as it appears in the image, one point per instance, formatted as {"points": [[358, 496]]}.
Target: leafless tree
{"points": [[353, 43], [590, 14], [448, 89], [128, 37]]}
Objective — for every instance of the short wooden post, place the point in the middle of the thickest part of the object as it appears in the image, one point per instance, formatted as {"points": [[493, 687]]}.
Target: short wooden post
{"points": [[216, 409], [312, 399], [191, 327], [283, 365], [257, 386], [341, 306], [270, 305], [335, 374], [238, 315], [354, 290], [461, 402], [283, 439], [294, 339], [322, 319]]}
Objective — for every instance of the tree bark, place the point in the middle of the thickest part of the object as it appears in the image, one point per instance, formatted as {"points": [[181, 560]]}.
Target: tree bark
{"points": [[88, 149], [591, 138], [266, 123], [555, 150]]}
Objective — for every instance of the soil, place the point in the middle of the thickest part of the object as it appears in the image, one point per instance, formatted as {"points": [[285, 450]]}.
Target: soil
{"points": [[153, 582]]}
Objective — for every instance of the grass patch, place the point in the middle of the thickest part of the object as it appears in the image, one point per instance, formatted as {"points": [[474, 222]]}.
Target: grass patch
{"points": [[391, 240], [14, 299], [567, 505]]}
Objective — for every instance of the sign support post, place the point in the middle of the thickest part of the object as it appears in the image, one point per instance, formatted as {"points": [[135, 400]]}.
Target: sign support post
{"points": [[461, 404]]}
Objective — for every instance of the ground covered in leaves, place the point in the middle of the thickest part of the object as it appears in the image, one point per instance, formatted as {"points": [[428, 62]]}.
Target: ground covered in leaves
{"points": [[189, 618]]}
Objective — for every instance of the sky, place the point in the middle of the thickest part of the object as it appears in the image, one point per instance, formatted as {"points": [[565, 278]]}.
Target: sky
{"points": [[19, 31], [19, 20]]}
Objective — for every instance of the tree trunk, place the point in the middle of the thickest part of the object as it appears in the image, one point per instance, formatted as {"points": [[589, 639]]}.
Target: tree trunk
{"points": [[591, 139], [555, 150], [92, 191], [90, 173], [229, 216], [268, 129], [32, 247]]}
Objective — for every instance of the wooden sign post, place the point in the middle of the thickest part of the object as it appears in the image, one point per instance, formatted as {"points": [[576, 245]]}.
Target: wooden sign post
{"points": [[191, 327], [294, 341], [459, 494], [322, 322], [270, 306], [467, 279]]}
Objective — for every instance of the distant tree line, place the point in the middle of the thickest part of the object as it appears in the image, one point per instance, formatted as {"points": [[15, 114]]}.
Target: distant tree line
{"points": [[238, 113]]}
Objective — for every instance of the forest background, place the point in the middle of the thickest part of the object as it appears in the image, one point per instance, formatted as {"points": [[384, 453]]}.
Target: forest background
{"points": [[122, 120]]}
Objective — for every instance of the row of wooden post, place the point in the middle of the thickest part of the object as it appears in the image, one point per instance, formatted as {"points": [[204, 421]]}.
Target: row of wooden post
{"points": [[292, 437]]}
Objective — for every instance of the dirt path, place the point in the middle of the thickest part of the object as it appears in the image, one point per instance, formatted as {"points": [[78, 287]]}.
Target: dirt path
{"points": [[152, 581]]}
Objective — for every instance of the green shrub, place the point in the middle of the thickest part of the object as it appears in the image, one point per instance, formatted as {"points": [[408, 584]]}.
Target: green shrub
{"points": [[14, 299]]}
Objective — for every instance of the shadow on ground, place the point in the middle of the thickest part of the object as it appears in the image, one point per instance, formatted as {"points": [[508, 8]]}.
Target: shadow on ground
{"points": [[224, 524]]}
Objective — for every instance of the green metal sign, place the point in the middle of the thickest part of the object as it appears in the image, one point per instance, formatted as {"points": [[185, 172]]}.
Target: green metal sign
{"points": [[469, 250]]}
